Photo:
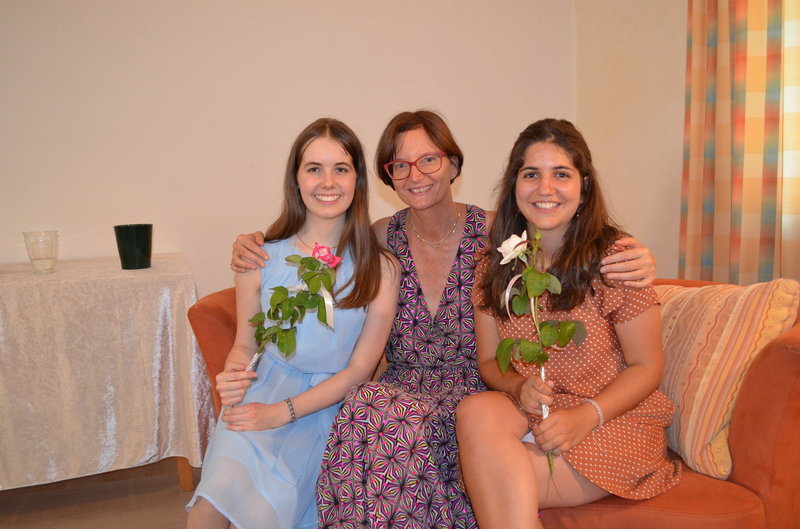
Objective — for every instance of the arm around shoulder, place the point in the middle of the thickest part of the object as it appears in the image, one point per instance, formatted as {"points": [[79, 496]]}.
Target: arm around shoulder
{"points": [[247, 253], [634, 264]]}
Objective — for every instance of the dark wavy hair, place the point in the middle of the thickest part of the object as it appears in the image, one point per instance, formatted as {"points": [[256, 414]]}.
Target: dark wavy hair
{"points": [[588, 235], [357, 236], [432, 123]]}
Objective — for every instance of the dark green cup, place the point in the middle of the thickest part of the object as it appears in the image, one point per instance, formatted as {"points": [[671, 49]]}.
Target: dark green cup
{"points": [[134, 243]]}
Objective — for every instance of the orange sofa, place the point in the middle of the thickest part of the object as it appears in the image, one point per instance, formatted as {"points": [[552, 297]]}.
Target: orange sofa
{"points": [[762, 491]]}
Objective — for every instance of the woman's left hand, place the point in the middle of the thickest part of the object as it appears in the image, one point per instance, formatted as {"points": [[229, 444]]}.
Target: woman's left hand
{"points": [[256, 416], [564, 429]]}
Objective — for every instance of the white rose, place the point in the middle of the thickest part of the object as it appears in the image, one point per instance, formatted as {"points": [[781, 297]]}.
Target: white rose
{"points": [[513, 247]]}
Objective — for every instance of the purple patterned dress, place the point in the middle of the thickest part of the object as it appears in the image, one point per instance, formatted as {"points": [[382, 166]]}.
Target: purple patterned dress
{"points": [[392, 458]]}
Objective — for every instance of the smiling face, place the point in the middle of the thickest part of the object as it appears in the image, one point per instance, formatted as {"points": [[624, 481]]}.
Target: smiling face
{"points": [[548, 190], [326, 178], [421, 191]]}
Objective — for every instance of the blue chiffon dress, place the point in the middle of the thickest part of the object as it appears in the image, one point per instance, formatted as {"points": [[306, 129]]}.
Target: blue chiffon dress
{"points": [[266, 479]]}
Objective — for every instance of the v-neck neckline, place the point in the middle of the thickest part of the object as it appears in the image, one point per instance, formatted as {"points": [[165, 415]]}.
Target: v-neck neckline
{"points": [[401, 229]]}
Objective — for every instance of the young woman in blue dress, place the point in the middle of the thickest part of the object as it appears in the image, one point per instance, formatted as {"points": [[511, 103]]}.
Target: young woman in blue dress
{"points": [[261, 467]]}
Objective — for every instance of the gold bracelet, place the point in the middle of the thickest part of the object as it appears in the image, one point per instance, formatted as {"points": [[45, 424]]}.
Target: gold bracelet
{"points": [[597, 409], [293, 417]]}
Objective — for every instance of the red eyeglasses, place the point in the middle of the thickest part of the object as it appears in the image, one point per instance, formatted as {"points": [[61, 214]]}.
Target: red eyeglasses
{"points": [[425, 164]]}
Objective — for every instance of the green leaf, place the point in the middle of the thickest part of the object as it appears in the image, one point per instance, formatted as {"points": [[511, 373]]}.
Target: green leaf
{"points": [[311, 301], [314, 284], [294, 259], [548, 333], [536, 282], [260, 334], [520, 305], [530, 350], [302, 297], [286, 308], [258, 318], [327, 282], [566, 330], [503, 353], [553, 284], [278, 296], [543, 356], [312, 263], [321, 311], [287, 341], [580, 332]]}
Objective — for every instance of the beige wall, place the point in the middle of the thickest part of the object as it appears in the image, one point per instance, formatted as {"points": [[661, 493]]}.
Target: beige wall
{"points": [[181, 113], [630, 61]]}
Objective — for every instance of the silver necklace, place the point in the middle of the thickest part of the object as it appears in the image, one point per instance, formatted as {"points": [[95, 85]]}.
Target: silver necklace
{"points": [[333, 248], [437, 243]]}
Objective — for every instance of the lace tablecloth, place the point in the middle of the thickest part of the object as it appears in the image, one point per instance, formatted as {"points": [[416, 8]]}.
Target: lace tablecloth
{"points": [[99, 369]]}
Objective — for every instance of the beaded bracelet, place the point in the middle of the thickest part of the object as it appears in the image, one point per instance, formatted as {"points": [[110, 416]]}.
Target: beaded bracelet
{"points": [[291, 410], [597, 408]]}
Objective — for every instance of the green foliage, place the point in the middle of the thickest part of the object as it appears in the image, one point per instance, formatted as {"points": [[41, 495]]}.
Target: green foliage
{"points": [[504, 352], [525, 301], [286, 310]]}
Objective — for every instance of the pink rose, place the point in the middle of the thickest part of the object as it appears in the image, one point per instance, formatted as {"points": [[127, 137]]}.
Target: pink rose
{"points": [[325, 255]]}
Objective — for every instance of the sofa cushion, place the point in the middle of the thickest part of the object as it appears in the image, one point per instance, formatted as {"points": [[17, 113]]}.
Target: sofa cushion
{"points": [[711, 335], [697, 502]]}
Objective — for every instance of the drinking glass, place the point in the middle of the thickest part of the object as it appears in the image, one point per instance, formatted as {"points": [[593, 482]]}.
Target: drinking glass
{"points": [[42, 249]]}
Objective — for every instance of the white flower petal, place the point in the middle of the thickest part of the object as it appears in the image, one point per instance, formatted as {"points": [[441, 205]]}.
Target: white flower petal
{"points": [[513, 247]]}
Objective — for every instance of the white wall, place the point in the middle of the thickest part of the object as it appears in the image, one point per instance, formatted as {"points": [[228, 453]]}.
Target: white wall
{"points": [[630, 69], [181, 113]]}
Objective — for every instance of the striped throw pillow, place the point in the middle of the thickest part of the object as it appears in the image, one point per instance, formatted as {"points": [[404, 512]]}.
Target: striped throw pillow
{"points": [[711, 335]]}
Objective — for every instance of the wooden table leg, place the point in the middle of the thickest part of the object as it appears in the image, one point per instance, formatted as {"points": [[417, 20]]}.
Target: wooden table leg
{"points": [[185, 474]]}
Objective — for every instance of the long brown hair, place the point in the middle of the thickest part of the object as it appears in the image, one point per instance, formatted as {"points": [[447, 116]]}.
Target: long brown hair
{"points": [[357, 235], [588, 235], [432, 123]]}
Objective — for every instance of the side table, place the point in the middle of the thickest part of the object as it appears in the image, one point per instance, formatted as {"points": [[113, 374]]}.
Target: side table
{"points": [[99, 370]]}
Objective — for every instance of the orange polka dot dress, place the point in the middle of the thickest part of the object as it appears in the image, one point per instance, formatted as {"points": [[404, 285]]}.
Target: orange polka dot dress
{"points": [[627, 456]]}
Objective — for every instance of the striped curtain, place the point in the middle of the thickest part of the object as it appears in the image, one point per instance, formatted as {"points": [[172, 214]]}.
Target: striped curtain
{"points": [[740, 210]]}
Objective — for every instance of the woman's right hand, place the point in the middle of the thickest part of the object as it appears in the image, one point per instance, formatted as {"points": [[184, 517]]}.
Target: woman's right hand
{"points": [[233, 383], [247, 252], [533, 392]]}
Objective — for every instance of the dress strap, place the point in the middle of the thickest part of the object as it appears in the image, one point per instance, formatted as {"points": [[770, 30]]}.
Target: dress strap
{"points": [[396, 236]]}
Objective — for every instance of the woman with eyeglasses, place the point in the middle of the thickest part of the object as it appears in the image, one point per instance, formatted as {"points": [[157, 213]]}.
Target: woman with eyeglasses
{"points": [[392, 455]]}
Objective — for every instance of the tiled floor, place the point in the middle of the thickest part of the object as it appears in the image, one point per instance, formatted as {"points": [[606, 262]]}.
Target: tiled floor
{"points": [[145, 497]]}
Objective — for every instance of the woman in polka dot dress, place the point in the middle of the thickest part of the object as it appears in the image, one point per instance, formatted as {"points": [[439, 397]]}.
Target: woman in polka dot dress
{"points": [[607, 423]]}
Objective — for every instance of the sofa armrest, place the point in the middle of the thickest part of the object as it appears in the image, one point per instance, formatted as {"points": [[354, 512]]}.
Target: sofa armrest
{"points": [[213, 320], [764, 440]]}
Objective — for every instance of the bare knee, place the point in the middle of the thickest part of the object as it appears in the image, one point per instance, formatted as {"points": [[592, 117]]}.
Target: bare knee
{"points": [[483, 414], [204, 506], [203, 515], [471, 412]]}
